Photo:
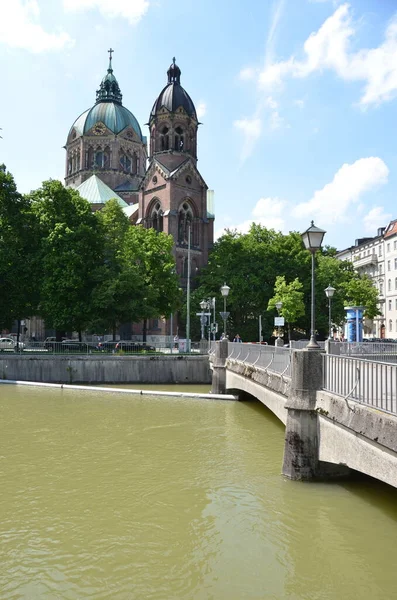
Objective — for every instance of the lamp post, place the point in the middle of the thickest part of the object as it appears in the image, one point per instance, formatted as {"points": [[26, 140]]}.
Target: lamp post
{"points": [[329, 292], [312, 239], [205, 306], [225, 289], [279, 306]]}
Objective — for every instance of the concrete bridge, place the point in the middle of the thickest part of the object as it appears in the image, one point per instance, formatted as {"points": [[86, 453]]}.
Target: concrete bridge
{"points": [[340, 412]]}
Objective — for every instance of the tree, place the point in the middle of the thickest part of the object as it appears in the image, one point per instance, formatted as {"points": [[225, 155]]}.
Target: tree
{"points": [[291, 296], [19, 264], [71, 254], [360, 291]]}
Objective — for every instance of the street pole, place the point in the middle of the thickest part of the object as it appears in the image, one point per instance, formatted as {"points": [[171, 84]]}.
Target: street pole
{"points": [[329, 319], [171, 332], [224, 310], [188, 294], [313, 341], [260, 328], [213, 318]]}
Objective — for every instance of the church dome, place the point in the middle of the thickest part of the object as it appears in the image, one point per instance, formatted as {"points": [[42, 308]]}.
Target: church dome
{"points": [[173, 96], [108, 109]]}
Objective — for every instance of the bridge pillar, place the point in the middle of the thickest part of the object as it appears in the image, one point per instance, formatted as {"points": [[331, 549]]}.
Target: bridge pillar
{"points": [[219, 367], [301, 438]]}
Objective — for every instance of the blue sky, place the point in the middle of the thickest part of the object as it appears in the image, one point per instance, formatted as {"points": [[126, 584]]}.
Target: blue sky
{"points": [[297, 98]]}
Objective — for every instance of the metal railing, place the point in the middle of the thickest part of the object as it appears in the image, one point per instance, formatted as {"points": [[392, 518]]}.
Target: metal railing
{"points": [[364, 381], [376, 351], [126, 347], [300, 344], [266, 358]]}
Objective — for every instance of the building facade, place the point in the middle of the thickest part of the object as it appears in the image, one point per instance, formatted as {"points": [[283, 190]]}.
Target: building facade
{"points": [[377, 258], [106, 155]]}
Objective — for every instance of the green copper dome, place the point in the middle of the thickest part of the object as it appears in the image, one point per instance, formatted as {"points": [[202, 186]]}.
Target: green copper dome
{"points": [[107, 110]]}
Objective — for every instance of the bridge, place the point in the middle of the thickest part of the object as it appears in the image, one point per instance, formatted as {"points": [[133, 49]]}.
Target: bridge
{"points": [[339, 407]]}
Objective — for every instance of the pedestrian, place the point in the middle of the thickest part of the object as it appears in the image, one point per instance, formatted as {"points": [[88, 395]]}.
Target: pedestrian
{"points": [[237, 338], [223, 336], [176, 341]]}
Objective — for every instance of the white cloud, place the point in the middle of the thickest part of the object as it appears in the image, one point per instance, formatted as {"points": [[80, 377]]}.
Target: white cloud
{"points": [[332, 202], [247, 73], [330, 48], [251, 129], [201, 110], [20, 28], [267, 212], [132, 10], [376, 217]]}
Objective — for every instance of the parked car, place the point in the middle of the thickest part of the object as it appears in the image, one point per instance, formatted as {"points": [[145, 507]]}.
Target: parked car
{"points": [[76, 346], [130, 346], [107, 346], [8, 343]]}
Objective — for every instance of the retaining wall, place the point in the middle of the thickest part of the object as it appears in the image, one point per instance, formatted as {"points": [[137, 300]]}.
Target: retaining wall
{"points": [[106, 369]]}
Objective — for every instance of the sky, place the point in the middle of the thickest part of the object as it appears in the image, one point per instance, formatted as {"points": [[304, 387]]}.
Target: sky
{"points": [[297, 99]]}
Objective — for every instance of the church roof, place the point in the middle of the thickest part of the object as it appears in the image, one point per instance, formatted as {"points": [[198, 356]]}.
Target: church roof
{"points": [[173, 96], [171, 161], [127, 186], [97, 192], [108, 109]]}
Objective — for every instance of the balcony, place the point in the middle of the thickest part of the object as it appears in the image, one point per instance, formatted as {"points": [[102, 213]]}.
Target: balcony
{"points": [[365, 261]]}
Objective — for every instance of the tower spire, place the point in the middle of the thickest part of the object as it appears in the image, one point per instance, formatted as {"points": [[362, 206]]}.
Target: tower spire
{"points": [[174, 73], [109, 90]]}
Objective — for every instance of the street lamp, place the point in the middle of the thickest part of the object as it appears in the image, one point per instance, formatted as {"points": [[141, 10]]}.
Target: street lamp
{"points": [[329, 292], [225, 289], [279, 306], [312, 239], [205, 306]]}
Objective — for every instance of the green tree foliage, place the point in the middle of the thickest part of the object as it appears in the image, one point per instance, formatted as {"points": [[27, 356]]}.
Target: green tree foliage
{"points": [[250, 264], [138, 279], [71, 256], [291, 296], [19, 263]]}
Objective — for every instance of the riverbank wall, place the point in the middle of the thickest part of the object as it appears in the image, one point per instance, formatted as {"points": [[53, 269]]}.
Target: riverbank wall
{"points": [[106, 369]]}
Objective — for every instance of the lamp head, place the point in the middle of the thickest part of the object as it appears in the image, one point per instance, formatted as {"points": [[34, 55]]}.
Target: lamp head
{"points": [[225, 289], [313, 238], [203, 304], [279, 305], [329, 291]]}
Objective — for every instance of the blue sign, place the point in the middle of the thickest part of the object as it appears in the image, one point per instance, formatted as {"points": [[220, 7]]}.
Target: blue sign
{"points": [[354, 318]]}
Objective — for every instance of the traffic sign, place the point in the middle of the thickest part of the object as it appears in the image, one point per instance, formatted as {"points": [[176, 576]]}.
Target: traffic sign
{"points": [[279, 321], [224, 315]]}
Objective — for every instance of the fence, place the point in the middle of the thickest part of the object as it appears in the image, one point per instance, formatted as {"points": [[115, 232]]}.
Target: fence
{"points": [[376, 351], [118, 347], [267, 358], [372, 383]]}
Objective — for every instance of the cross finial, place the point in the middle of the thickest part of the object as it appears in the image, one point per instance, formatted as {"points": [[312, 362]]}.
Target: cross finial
{"points": [[110, 57], [174, 60]]}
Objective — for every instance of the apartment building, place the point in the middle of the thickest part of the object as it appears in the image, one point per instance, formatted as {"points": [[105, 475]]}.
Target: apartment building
{"points": [[377, 257]]}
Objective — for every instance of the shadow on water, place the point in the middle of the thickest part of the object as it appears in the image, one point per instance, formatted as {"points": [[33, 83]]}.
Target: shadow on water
{"points": [[255, 405]]}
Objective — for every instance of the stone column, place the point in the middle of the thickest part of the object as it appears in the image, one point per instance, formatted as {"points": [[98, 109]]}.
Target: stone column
{"points": [[301, 435], [219, 367]]}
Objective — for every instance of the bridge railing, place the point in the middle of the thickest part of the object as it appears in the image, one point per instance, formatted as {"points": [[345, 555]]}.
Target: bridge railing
{"points": [[267, 358], [368, 382], [377, 351]]}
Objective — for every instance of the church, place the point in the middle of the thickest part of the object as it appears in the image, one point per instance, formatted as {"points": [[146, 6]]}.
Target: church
{"points": [[158, 183]]}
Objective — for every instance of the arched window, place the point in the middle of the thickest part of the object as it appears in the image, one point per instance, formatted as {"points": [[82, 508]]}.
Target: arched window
{"points": [[165, 139], [179, 139], [98, 159], [185, 219], [157, 217], [125, 162]]}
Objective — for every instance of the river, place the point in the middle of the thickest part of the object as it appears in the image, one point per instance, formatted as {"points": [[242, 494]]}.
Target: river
{"points": [[155, 498]]}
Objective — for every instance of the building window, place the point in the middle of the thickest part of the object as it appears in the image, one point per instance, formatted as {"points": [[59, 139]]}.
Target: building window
{"points": [[125, 163], [389, 285], [395, 283], [388, 247], [380, 269], [395, 245], [395, 302], [157, 217], [390, 325], [185, 218], [380, 250], [389, 265], [179, 139], [395, 263], [389, 304], [381, 288], [165, 139]]}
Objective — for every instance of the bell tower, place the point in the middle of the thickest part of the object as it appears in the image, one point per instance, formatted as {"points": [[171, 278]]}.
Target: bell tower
{"points": [[173, 120]]}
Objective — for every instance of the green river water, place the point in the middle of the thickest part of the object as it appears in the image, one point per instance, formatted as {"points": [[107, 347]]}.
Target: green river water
{"points": [[111, 496]]}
